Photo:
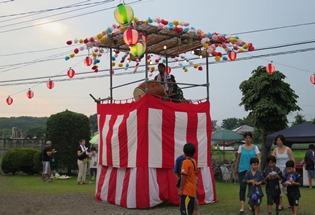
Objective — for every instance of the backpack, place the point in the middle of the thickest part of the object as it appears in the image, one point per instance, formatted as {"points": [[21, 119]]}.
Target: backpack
{"points": [[178, 168]]}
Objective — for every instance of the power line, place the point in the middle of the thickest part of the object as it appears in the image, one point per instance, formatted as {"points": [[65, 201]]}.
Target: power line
{"points": [[259, 49], [274, 28], [78, 4], [33, 51], [56, 14], [31, 80], [65, 18]]}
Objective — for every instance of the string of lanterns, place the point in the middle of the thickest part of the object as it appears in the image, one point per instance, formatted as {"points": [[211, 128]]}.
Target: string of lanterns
{"points": [[213, 44]]}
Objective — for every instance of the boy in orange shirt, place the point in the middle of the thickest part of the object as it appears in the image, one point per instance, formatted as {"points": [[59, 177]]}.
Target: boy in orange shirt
{"points": [[188, 185]]}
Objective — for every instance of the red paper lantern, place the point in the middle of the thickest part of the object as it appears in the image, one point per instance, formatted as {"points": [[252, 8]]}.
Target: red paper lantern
{"points": [[232, 55], [50, 84], [131, 36], [270, 68], [88, 61], [69, 42], [168, 69], [30, 94], [312, 78], [9, 100], [76, 50], [71, 73]]}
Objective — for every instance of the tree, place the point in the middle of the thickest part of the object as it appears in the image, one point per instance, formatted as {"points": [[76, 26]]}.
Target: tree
{"points": [[269, 100], [298, 119], [314, 121], [65, 129], [231, 123]]}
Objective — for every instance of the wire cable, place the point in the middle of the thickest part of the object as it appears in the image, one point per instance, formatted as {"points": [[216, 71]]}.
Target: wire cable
{"points": [[65, 18]]}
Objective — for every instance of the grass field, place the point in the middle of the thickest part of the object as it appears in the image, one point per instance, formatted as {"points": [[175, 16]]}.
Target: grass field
{"points": [[227, 193]]}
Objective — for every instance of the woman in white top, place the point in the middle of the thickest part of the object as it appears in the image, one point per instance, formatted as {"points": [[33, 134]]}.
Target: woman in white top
{"points": [[283, 154]]}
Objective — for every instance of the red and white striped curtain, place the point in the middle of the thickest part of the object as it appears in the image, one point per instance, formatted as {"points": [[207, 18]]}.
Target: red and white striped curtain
{"points": [[139, 143]]}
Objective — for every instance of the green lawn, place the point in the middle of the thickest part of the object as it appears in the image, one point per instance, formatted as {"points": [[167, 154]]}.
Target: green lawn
{"points": [[35, 184], [227, 193]]}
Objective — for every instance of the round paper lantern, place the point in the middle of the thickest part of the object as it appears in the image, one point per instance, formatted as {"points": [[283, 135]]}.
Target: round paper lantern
{"points": [[123, 14], [312, 78], [232, 55], [9, 100], [88, 61], [30, 94], [137, 50], [168, 70], [71, 73], [131, 36], [270, 68], [50, 84]]}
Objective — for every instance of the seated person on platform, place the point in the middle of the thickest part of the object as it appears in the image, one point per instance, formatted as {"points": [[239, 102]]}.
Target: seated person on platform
{"points": [[168, 81]]}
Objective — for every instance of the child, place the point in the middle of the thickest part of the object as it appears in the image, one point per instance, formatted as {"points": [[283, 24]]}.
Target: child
{"points": [[93, 163], [254, 179], [188, 182], [292, 180], [272, 175]]}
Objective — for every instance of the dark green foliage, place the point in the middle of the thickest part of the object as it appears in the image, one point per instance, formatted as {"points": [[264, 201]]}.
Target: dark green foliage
{"points": [[298, 119], [65, 129], [32, 126], [269, 100], [22, 159], [231, 123]]}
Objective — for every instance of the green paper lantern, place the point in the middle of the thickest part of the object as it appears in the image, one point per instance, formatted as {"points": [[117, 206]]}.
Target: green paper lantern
{"points": [[123, 14], [137, 50]]}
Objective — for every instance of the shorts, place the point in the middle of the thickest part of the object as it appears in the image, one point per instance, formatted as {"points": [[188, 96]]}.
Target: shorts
{"points": [[273, 199], [311, 173], [46, 167], [293, 201], [187, 204]]}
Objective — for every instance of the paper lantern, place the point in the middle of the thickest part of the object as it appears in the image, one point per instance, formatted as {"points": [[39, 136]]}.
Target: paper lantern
{"points": [[123, 14], [168, 70], [50, 84], [88, 61], [270, 68], [232, 55], [30, 94], [131, 36], [312, 79], [71, 73], [137, 50], [9, 100]]}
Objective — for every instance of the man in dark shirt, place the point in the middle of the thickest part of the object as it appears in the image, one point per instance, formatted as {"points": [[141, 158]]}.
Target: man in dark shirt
{"points": [[82, 154], [169, 83], [309, 161], [46, 159]]}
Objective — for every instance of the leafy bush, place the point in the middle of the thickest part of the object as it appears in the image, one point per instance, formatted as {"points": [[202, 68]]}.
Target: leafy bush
{"points": [[22, 159]]}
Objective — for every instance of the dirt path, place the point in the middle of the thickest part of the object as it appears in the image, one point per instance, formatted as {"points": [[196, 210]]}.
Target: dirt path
{"points": [[67, 204]]}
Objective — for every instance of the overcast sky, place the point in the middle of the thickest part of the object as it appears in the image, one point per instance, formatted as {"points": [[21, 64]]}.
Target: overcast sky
{"points": [[210, 16]]}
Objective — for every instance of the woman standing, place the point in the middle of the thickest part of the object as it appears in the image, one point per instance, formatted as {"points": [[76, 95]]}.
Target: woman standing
{"points": [[242, 164], [282, 154]]}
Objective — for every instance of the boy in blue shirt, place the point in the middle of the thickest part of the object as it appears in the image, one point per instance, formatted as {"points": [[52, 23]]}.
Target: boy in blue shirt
{"points": [[254, 178], [292, 180]]}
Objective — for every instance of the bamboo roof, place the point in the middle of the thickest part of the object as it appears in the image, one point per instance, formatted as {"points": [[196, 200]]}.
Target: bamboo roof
{"points": [[156, 40]]}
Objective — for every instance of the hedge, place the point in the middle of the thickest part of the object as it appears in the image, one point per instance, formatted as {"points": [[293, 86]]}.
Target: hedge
{"points": [[22, 159]]}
